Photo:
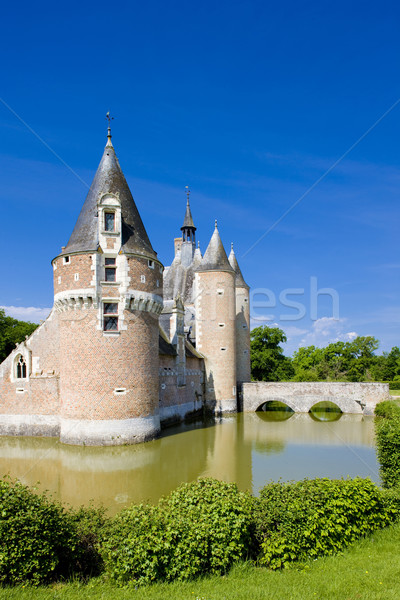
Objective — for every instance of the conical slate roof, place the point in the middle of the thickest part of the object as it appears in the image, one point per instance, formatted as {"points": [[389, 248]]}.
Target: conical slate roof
{"points": [[240, 282], [109, 179], [188, 220], [215, 258]]}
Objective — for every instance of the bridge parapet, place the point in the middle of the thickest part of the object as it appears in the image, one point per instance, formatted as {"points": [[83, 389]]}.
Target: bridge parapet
{"points": [[350, 397]]}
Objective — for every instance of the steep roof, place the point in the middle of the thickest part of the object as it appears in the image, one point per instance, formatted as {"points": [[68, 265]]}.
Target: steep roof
{"points": [[109, 178], [188, 220], [240, 282], [215, 258]]}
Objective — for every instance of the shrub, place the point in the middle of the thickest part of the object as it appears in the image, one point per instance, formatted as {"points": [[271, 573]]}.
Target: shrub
{"points": [[89, 523], [394, 385], [202, 527], [387, 431], [311, 518], [387, 409], [135, 547], [37, 536], [212, 526]]}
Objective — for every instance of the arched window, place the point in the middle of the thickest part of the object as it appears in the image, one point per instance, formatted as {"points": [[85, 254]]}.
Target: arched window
{"points": [[21, 368]]}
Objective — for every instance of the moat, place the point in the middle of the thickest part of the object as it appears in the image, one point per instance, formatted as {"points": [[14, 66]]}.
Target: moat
{"points": [[250, 449]]}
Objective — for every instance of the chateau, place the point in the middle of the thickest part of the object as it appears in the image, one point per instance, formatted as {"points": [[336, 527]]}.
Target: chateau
{"points": [[129, 345]]}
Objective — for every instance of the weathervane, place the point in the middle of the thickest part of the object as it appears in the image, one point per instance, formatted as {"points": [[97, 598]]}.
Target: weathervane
{"points": [[109, 119], [187, 192]]}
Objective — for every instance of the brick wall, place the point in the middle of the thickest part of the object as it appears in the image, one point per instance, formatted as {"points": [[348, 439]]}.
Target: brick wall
{"points": [[95, 364], [76, 274]]}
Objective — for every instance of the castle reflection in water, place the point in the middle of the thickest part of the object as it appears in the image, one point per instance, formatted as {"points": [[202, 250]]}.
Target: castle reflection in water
{"points": [[249, 449]]}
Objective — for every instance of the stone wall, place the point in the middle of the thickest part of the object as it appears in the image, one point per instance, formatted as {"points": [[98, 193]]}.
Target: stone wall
{"points": [[176, 402], [30, 405], [301, 396]]}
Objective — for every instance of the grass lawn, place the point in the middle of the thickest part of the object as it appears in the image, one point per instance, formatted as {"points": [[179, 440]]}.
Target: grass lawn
{"points": [[369, 570], [394, 392]]}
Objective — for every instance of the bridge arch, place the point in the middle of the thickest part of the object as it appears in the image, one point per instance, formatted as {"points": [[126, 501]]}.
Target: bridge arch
{"points": [[285, 401]]}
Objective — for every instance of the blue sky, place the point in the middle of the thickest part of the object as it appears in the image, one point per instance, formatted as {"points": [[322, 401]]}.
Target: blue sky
{"points": [[250, 104]]}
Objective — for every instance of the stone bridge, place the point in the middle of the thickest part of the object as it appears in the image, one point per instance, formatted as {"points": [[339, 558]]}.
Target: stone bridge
{"points": [[355, 398]]}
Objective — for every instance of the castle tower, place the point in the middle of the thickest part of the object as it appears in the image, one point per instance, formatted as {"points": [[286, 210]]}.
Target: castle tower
{"points": [[215, 325], [108, 293], [242, 299]]}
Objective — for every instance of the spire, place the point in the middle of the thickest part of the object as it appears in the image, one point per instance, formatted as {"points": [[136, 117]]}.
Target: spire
{"points": [[109, 178], [109, 119], [215, 258], [240, 282], [188, 220]]}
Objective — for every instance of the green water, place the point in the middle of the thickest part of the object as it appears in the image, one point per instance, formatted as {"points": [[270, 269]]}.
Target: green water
{"points": [[249, 449]]}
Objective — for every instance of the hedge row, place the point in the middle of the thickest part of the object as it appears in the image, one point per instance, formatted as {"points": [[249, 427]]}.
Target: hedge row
{"points": [[387, 429], [202, 527]]}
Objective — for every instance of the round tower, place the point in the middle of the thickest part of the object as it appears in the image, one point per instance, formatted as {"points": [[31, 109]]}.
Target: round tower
{"points": [[108, 292], [215, 325], [242, 300]]}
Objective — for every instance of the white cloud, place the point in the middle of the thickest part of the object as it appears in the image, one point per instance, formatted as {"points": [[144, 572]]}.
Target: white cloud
{"points": [[27, 313], [326, 330]]}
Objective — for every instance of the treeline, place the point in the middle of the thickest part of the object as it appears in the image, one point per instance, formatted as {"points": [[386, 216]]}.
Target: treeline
{"points": [[12, 332], [339, 361]]}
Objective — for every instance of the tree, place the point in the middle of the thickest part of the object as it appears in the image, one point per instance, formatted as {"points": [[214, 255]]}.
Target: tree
{"points": [[12, 332], [306, 363], [268, 362]]}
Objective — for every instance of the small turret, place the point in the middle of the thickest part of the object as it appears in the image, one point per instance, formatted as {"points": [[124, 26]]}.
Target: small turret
{"points": [[188, 229], [215, 325], [242, 300]]}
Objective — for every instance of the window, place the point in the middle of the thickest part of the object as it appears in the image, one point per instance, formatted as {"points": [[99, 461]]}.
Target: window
{"points": [[109, 221], [21, 368], [66, 260], [151, 264], [143, 279], [110, 316], [110, 269]]}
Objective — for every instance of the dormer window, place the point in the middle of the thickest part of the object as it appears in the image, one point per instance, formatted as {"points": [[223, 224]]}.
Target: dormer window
{"points": [[110, 269], [109, 221]]}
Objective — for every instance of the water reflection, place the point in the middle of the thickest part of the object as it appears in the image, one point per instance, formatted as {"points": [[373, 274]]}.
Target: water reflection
{"points": [[246, 448], [325, 411], [274, 410]]}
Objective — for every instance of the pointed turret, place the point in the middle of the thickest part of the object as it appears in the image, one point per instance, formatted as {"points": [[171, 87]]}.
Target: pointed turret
{"points": [[109, 179], [215, 258], [240, 282], [215, 325]]}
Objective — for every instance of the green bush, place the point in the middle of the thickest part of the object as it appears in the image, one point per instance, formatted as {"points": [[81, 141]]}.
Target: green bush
{"points": [[394, 385], [212, 525], [37, 536], [135, 547], [89, 523], [202, 527], [311, 518], [387, 409], [387, 431]]}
